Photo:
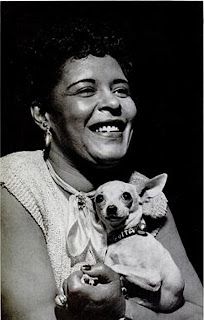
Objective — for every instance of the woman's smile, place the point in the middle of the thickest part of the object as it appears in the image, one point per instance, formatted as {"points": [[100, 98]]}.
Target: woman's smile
{"points": [[109, 128], [94, 111]]}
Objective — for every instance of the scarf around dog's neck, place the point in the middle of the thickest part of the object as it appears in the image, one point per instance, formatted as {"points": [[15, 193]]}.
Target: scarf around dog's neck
{"points": [[84, 230]]}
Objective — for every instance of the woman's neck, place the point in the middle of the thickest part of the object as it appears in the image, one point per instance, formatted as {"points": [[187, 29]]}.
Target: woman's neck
{"points": [[82, 177], [68, 172]]}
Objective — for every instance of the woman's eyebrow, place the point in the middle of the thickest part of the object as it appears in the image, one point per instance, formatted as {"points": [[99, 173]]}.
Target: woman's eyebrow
{"points": [[116, 81], [82, 80]]}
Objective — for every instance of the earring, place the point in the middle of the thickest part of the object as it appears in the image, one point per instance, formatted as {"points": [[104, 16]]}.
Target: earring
{"points": [[48, 138], [48, 135]]}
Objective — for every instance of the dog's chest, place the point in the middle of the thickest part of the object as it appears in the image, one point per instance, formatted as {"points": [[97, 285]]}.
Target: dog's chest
{"points": [[138, 251]]}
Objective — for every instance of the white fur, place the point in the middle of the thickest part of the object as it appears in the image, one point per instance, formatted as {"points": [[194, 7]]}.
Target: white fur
{"points": [[141, 259]]}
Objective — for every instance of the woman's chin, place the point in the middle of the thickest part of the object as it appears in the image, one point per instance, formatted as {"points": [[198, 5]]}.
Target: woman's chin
{"points": [[106, 149], [111, 158]]}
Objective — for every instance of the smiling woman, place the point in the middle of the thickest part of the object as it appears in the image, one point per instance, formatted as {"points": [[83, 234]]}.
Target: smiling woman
{"points": [[90, 109], [79, 80], [93, 111]]}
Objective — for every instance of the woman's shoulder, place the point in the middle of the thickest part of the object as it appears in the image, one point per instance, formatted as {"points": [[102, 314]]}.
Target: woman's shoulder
{"points": [[22, 158], [23, 165]]}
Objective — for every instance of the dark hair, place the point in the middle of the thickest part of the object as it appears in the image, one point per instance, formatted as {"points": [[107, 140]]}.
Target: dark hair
{"points": [[47, 53]]}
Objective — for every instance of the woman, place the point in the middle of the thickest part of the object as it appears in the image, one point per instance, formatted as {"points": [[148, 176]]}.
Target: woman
{"points": [[81, 100]]}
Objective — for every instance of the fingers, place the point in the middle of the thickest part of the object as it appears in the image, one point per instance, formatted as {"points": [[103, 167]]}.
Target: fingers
{"points": [[73, 282], [102, 297], [73, 286], [100, 270]]}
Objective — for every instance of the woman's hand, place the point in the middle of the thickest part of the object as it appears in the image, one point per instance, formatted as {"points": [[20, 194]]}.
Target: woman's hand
{"points": [[104, 300]]}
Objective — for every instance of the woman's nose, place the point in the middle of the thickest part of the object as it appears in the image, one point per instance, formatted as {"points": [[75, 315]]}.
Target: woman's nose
{"points": [[109, 102]]}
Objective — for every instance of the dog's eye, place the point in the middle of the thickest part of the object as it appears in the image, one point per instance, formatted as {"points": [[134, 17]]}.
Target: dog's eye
{"points": [[99, 198], [126, 196]]}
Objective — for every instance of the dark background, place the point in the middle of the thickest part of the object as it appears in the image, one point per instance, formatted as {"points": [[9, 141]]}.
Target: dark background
{"points": [[166, 41]]}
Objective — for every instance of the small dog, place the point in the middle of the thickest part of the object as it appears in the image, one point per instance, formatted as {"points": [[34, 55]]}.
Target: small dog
{"points": [[134, 253]]}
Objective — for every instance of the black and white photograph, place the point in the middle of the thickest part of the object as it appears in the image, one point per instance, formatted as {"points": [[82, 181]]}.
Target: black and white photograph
{"points": [[101, 160]]}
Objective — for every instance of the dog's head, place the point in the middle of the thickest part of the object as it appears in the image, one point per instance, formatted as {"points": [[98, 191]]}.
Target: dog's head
{"points": [[116, 200]]}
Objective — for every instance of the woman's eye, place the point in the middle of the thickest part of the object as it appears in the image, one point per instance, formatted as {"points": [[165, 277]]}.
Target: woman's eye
{"points": [[122, 92], [99, 198], [86, 92], [126, 196]]}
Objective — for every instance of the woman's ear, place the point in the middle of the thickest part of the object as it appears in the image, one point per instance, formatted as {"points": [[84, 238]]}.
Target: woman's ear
{"points": [[40, 117]]}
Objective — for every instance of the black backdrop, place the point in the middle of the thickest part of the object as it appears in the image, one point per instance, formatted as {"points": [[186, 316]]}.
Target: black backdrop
{"points": [[166, 40]]}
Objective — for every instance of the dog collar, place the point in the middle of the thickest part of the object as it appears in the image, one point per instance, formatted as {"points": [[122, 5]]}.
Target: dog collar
{"points": [[116, 236]]}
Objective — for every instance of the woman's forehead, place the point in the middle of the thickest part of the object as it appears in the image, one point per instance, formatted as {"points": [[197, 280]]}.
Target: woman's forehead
{"points": [[92, 67]]}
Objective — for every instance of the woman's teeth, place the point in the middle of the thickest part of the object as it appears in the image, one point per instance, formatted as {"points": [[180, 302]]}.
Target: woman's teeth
{"points": [[108, 129]]}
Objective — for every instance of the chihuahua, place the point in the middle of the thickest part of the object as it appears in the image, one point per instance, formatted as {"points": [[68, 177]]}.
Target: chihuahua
{"points": [[134, 253]]}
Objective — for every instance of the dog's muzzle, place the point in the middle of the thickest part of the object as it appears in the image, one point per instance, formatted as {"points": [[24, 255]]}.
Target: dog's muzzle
{"points": [[111, 210]]}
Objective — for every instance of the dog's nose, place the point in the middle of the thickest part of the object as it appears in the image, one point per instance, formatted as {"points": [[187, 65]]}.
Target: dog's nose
{"points": [[112, 209]]}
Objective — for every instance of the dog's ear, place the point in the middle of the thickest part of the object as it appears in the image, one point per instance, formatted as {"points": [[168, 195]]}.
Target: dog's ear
{"points": [[153, 187]]}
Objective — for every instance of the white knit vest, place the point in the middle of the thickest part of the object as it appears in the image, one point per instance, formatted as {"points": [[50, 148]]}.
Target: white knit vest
{"points": [[26, 176]]}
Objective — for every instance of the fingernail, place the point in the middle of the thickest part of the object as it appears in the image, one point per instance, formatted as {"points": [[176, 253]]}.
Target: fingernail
{"points": [[86, 267]]}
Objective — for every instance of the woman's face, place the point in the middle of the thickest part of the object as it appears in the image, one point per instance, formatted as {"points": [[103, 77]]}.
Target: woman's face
{"points": [[93, 110]]}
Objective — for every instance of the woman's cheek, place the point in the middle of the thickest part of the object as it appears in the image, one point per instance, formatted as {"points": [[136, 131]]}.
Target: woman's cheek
{"points": [[130, 109]]}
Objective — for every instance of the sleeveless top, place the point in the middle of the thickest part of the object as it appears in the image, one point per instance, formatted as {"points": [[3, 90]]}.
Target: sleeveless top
{"points": [[27, 177]]}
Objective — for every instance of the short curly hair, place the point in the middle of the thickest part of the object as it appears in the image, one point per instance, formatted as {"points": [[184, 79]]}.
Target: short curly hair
{"points": [[52, 47]]}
